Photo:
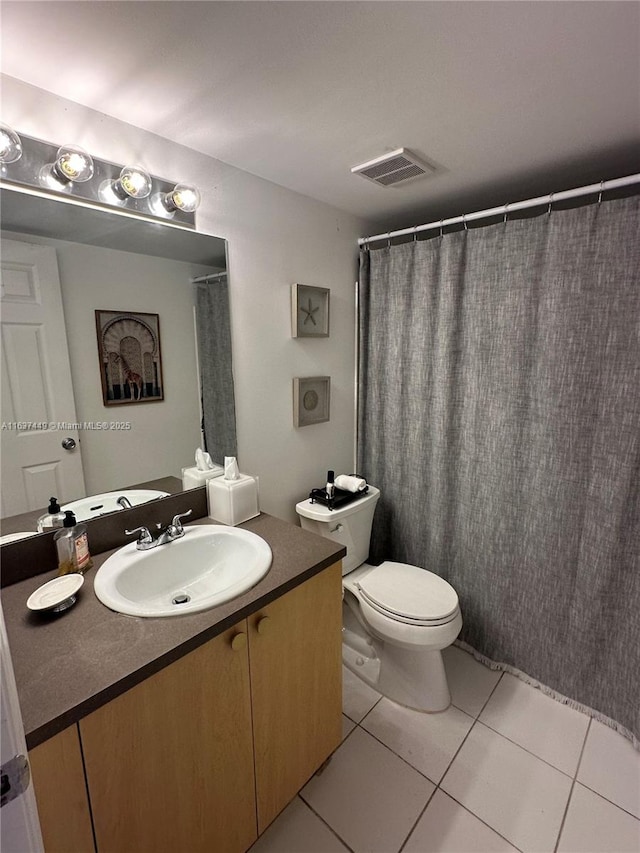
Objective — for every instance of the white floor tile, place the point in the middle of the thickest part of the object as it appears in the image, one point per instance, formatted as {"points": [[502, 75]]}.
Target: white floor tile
{"points": [[594, 825], [611, 766], [368, 795], [549, 729], [357, 697], [298, 830], [446, 827], [517, 794], [347, 726], [427, 741], [470, 681]]}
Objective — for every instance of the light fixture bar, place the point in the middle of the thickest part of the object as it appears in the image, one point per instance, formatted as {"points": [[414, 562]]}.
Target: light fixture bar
{"points": [[37, 154]]}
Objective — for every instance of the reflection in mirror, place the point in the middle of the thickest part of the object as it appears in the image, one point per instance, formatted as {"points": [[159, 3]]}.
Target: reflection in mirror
{"points": [[62, 262]]}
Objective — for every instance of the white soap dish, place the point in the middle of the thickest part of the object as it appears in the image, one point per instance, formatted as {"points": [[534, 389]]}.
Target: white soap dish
{"points": [[56, 595]]}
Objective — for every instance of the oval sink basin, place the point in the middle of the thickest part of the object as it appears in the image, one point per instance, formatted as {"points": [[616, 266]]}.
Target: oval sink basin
{"points": [[94, 505], [209, 565]]}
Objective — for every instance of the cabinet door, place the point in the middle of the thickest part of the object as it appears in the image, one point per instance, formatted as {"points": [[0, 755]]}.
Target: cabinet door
{"points": [[61, 794], [296, 682], [170, 762]]}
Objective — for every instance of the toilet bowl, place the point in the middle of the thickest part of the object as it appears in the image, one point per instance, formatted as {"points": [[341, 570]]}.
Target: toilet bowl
{"points": [[397, 618]]}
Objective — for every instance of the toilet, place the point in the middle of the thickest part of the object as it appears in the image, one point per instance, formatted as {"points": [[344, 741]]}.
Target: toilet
{"points": [[397, 618]]}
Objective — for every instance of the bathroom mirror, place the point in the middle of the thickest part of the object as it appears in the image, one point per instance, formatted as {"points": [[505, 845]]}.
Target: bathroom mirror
{"points": [[105, 261]]}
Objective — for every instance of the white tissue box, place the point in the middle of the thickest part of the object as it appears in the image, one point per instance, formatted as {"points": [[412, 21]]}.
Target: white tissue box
{"points": [[193, 477], [233, 501]]}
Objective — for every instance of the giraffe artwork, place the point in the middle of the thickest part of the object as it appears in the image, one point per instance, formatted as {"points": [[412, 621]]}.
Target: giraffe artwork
{"points": [[130, 361], [133, 380]]}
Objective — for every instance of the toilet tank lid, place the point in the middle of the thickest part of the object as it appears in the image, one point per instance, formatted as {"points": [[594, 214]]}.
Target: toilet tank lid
{"points": [[319, 512]]}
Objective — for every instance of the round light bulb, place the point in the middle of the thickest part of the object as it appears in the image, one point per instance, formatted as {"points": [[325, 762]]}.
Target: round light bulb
{"points": [[10, 145], [183, 197], [73, 164], [134, 181]]}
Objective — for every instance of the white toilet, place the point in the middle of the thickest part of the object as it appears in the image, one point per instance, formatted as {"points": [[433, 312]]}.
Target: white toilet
{"points": [[397, 618]]}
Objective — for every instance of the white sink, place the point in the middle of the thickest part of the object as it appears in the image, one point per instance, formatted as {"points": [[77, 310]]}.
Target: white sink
{"points": [[209, 565], [95, 505]]}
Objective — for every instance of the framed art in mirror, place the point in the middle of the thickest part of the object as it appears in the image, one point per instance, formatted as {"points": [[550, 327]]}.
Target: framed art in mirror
{"points": [[311, 398], [130, 360], [309, 311]]}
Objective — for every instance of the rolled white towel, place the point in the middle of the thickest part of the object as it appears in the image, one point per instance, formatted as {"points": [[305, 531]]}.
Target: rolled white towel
{"points": [[349, 483]]}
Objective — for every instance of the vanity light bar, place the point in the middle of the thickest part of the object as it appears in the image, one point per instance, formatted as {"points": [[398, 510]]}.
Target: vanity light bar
{"points": [[72, 172]]}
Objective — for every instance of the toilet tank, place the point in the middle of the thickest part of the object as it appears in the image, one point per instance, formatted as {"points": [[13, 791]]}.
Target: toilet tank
{"points": [[350, 525]]}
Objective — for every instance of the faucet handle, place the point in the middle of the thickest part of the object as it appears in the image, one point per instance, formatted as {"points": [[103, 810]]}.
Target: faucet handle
{"points": [[144, 538], [177, 524]]}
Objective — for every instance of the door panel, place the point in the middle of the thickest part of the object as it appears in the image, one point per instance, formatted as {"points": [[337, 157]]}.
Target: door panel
{"points": [[36, 384], [295, 647]]}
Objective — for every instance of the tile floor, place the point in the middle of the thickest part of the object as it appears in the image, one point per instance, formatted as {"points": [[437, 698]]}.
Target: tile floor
{"points": [[505, 768]]}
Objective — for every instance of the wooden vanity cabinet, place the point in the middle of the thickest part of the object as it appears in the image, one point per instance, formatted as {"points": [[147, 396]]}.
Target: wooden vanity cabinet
{"points": [[204, 754], [295, 647], [61, 794], [169, 763]]}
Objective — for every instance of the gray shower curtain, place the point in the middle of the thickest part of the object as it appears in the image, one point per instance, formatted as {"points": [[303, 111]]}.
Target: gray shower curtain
{"points": [[499, 413], [213, 328]]}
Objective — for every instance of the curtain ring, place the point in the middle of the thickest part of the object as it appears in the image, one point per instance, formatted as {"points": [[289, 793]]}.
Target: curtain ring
{"points": [[506, 211], [441, 234], [464, 221], [415, 234], [600, 193], [550, 203], [388, 239]]}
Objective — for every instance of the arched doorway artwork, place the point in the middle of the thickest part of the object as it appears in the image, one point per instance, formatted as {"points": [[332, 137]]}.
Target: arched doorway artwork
{"points": [[130, 361]]}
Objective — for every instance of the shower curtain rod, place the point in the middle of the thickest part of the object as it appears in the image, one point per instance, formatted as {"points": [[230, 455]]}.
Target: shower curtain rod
{"points": [[505, 209], [201, 279]]}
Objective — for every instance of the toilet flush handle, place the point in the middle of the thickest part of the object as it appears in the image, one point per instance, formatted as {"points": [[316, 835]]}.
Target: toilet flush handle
{"points": [[337, 529]]}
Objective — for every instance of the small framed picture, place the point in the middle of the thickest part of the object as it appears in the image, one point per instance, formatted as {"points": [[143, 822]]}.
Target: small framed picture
{"points": [[311, 400], [130, 360], [309, 311]]}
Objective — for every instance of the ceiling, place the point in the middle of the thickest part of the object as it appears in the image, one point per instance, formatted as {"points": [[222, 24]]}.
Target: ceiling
{"points": [[505, 99]]}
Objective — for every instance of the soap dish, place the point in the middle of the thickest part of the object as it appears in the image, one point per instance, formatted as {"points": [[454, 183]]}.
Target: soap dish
{"points": [[56, 595]]}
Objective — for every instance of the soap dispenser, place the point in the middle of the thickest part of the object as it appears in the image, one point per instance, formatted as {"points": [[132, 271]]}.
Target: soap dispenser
{"points": [[72, 545], [53, 517]]}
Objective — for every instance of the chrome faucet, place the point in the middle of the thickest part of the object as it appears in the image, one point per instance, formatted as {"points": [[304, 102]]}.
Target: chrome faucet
{"points": [[124, 502], [172, 531]]}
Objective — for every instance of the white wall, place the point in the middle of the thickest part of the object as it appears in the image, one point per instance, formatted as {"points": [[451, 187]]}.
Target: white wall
{"points": [[275, 238]]}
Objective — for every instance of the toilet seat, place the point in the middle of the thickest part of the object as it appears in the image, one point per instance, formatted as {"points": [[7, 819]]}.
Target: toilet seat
{"points": [[408, 594]]}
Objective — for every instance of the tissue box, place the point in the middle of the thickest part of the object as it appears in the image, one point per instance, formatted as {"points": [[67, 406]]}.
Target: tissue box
{"points": [[192, 477], [233, 501]]}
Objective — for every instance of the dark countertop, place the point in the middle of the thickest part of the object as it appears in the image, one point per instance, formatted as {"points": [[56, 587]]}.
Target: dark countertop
{"points": [[68, 665]]}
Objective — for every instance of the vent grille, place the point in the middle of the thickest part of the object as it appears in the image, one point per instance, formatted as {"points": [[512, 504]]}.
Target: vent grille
{"points": [[393, 168]]}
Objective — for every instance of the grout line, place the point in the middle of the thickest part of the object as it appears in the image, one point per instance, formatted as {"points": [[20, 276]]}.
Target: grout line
{"points": [[607, 800], [573, 784], [584, 744], [524, 748], [477, 817], [397, 755], [417, 820], [588, 787], [329, 827]]}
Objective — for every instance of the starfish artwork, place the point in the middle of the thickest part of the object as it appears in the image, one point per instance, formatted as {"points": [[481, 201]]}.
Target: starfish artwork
{"points": [[310, 311]]}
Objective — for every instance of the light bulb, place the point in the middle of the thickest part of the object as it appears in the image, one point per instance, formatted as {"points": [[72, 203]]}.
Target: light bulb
{"points": [[72, 165], [183, 197], [10, 145], [134, 182]]}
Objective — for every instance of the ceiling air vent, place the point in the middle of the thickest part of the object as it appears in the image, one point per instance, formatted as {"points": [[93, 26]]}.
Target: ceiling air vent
{"points": [[396, 167]]}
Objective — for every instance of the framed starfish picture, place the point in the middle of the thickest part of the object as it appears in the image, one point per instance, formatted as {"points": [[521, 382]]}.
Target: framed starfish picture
{"points": [[309, 311]]}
